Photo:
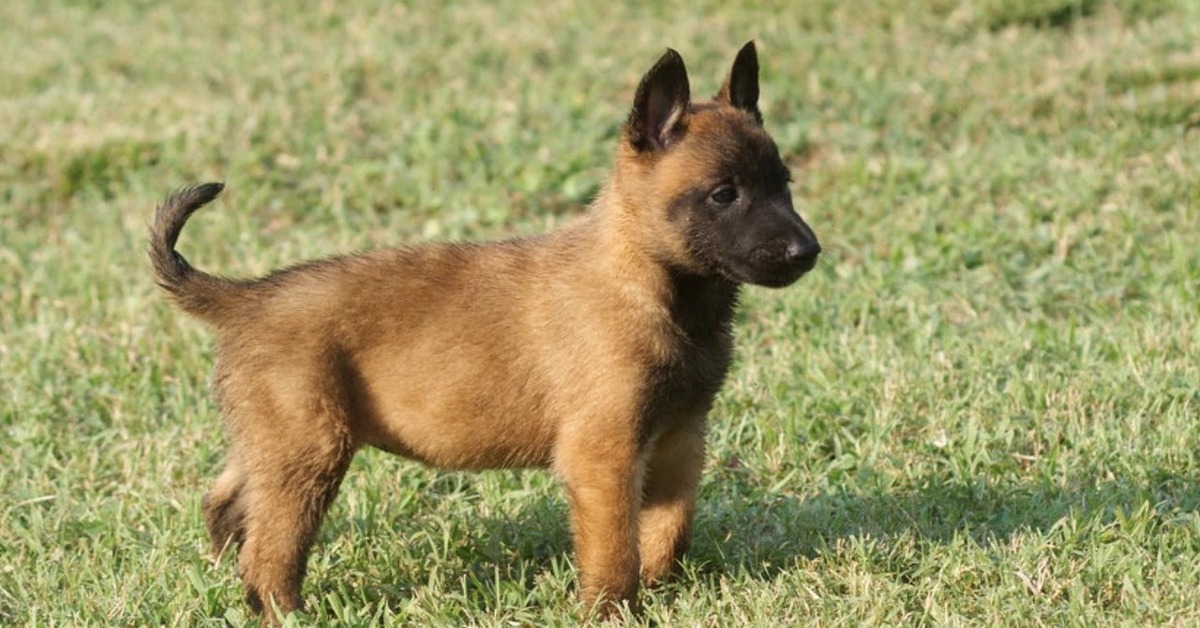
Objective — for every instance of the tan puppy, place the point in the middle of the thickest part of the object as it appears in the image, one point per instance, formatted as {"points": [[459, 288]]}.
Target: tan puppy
{"points": [[595, 350]]}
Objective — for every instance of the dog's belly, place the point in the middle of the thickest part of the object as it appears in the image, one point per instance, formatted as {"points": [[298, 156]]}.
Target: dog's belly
{"points": [[456, 378], [462, 442], [464, 418]]}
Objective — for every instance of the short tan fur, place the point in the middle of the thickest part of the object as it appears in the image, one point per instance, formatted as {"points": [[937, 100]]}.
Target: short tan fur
{"points": [[595, 350]]}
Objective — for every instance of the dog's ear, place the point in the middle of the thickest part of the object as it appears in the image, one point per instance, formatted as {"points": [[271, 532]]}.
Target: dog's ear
{"points": [[741, 88], [658, 117]]}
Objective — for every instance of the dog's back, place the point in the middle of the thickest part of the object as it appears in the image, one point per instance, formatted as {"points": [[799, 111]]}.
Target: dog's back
{"points": [[458, 355]]}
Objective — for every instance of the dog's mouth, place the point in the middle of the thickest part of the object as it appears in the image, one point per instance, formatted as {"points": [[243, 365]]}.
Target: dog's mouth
{"points": [[770, 267], [776, 278]]}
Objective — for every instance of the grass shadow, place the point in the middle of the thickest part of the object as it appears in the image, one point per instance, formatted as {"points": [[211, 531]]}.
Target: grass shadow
{"points": [[763, 535], [508, 562], [493, 556]]}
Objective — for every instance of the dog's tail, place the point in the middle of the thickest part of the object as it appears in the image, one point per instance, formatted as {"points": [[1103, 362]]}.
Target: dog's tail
{"points": [[195, 292]]}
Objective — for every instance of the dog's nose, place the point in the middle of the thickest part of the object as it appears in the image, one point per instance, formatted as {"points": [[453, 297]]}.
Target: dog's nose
{"points": [[803, 254]]}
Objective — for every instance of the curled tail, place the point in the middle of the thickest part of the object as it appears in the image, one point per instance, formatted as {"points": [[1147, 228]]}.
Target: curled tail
{"points": [[194, 291]]}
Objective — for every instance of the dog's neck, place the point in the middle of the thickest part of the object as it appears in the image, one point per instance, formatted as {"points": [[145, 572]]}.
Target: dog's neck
{"points": [[699, 304], [702, 306]]}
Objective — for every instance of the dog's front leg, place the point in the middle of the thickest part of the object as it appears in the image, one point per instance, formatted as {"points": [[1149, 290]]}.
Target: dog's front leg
{"points": [[669, 502], [602, 475]]}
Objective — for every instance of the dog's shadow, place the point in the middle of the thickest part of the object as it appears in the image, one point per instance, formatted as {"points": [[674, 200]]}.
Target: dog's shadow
{"points": [[744, 531], [762, 534]]}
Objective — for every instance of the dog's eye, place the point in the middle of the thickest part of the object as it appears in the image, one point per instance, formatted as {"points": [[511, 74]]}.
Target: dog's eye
{"points": [[724, 195]]}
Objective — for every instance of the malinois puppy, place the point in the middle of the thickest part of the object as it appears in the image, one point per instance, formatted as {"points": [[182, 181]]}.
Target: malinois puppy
{"points": [[595, 350]]}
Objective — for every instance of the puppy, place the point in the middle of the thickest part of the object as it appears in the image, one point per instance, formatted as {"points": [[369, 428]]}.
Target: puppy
{"points": [[594, 350]]}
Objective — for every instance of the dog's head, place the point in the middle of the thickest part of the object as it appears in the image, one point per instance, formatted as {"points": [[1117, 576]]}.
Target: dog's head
{"points": [[707, 181]]}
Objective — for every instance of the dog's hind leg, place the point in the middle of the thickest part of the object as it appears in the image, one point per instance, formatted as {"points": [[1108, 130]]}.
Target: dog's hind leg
{"points": [[294, 464], [224, 514]]}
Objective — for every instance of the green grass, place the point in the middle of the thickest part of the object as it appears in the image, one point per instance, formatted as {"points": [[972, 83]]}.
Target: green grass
{"points": [[981, 408]]}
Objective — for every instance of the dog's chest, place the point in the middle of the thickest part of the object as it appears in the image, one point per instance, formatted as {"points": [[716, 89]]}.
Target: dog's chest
{"points": [[681, 388]]}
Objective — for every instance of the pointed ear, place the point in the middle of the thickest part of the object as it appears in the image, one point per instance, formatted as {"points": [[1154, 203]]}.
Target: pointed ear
{"points": [[659, 113], [741, 88]]}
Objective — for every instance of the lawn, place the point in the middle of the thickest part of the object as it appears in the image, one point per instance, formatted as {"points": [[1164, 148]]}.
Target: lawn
{"points": [[982, 407]]}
